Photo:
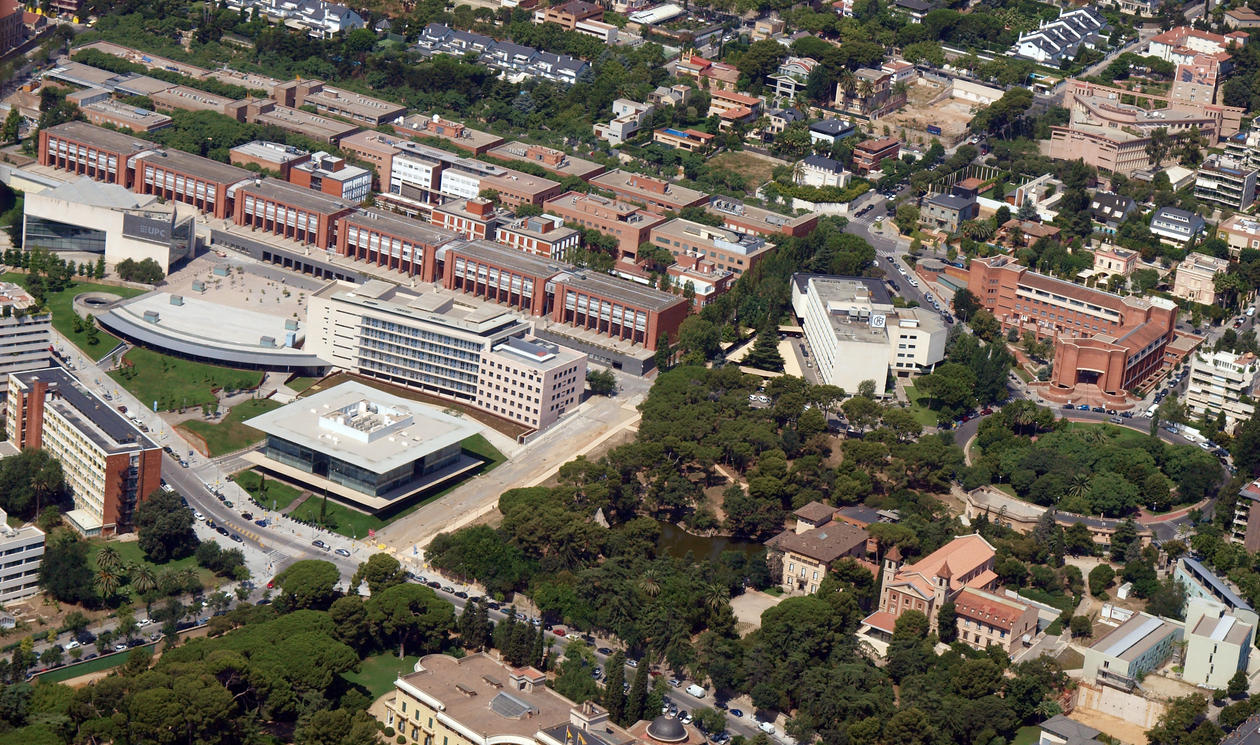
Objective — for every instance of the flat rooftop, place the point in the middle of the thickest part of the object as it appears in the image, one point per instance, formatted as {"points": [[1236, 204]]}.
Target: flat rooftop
{"points": [[745, 244], [303, 122], [364, 426], [84, 75], [142, 85], [250, 80], [83, 190], [151, 61], [1133, 638], [415, 124], [197, 166], [97, 420], [271, 152], [611, 288], [508, 258], [567, 166], [536, 353], [187, 316], [515, 182], [294, 196], [183, 97], [99, 137], [139, 117], [623, 182], [403, 227], [430, 307], [772, 221], [356, 103]]}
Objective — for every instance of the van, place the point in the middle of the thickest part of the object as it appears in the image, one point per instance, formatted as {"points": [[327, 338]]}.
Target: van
{"points": [[1150, 412], [696, 691], [1251, 311]]}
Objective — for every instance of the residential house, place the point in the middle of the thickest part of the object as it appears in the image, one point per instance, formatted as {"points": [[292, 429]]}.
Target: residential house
{"points": [[1196, 276], [915, 10], [628, 118], [1062, 38], [1023, 233], [830, 131], [777, 120], [674, 95], [946, 212], [1176, 225], [868, 155], [1112, 260], [818, 170], [791, 76], [732, 107], [1239, 231], [870, 94], [1108, 210], [690, 140], [721, 75], [1059, 730]]}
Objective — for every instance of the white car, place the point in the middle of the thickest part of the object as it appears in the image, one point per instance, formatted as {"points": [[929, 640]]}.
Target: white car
{"points": [[143, 622], [766, 727], [73, 644], [199, 516], [901, 270]]}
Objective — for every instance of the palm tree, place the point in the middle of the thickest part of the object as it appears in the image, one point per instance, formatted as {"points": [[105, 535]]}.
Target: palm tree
{"points": [[107, 582], [649, 584], [846, 82], [715, 595], [1078, 487], [108, 558]]}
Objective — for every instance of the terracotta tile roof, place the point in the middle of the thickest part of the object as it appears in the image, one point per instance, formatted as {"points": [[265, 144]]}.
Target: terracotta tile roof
{"points": [[988, 608], [964, 554], [882, 621], [816, 512]]}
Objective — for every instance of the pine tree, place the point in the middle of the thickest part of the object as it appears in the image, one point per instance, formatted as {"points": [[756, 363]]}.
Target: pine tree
{"points": [[468, 626], [614, 688], [505, 632], [100, 268], [637, 699], [485, 627], [764, 354], [536, 658]]}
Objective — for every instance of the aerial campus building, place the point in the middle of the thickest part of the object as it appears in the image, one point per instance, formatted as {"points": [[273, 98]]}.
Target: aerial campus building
{"points": [[363, 445]]}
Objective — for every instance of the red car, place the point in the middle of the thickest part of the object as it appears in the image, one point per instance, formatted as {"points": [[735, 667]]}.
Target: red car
{"points": [[558, 631]]}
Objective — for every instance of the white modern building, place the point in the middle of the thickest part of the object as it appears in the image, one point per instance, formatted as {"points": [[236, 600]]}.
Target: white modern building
{"points": [[1139, 645], [1218, 644], [628, 118], [25, 333], [857, 334], [86, 219], [1062, 37], [1223, 381], [23, 551], [819, 170], [481, 357]]}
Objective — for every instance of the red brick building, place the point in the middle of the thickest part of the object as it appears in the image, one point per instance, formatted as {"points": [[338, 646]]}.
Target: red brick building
{"points": [[869, 154], [655, 194], [1099, 338], [289, 211], [475, 219], [748, 219], [584, 299], [630, 224], [191, 179], [100, 154], [391, 241], [108, 464]]}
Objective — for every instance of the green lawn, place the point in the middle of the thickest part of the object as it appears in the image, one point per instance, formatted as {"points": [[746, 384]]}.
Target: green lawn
{"points": [[278, 493], [301, 384], [356, 524], [107, 662], [230, 434], [174, 383], [1023, 374], [61, 304], [130, 554], [377, 673], [922, 414], [1027, 735]]}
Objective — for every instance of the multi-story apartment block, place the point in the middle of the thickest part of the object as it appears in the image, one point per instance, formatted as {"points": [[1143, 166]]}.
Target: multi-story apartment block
{"points": [[25, 333], [628, 223], [1245, 529], [331, 175], [480, 357], [108, 464], [727, 249], [1181, 45], [23, 552], [1218, 644], [1196, 276], [541, 235], [1223, 382], [1225, 182], [1100, 339]]}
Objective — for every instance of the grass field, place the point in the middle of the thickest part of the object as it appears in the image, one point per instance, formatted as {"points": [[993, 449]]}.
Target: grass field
{"points": [[130, 554], [756, 169], [174, 383], [107, 662], [1027, 735], [300, 384], [922, 414], [61, 304], [278, 493], [377, 673], [356, 524], [230, 434]]}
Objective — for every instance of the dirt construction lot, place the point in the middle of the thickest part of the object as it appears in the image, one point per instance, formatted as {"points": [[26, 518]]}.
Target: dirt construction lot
{"points": [[951, 115]]}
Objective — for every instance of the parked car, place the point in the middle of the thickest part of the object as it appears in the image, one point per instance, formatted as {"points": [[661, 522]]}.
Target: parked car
{"points": [[766, 727], [317, 543], [341, 552]]}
